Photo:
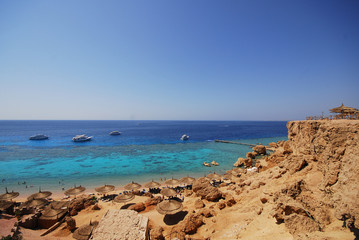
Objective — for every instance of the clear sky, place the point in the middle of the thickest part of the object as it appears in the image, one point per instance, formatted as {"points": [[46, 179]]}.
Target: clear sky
{"points": [[177, 60]]}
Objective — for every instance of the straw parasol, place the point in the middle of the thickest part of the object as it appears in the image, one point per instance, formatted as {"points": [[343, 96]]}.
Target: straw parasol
{"points": [[187, 180], [84, 232], [122, 198], [132, 186], [214, 176], [172, 181], [34, 203], [75, 190], [59, 205], [40, 195], [6, 205], [344, 110], [169, 207], [8, 195], [51, 213], [152, 184], [168, 192], [105, 189]]}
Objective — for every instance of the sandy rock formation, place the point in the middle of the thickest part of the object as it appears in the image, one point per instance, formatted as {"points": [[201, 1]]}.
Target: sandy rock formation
{"points": [[156, 233], [153, 201], [138, 207], [334, 144], [205, 190], [121, 224], [70, 223], [241, 162], [198, 204], [260, 149]]}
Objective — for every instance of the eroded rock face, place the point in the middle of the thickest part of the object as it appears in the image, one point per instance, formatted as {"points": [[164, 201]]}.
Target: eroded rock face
{"points": [[198, 204], [205, 190], [156, 233], [335, 146], [138, 207], [243, 162], [260, 149], [70, 223], [153, 201]]}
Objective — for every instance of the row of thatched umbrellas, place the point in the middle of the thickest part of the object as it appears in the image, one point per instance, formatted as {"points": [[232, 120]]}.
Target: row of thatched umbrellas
{"points": [[38, 199]]}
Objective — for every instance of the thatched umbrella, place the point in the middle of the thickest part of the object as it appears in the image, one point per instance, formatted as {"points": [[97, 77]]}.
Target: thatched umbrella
{"points": [[84, 232], [169, 207], [59, 205], [51, 213], [152, 184], [214, 176], [105, 189], [132, 186], [34, 203], [122, 198], [168, 192], [4, 205], [172, 181], [8, 195], [344, 110], [40, 195], [75, 190], [187, 180]]}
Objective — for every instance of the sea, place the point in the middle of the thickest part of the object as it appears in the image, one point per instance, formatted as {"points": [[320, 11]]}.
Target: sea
{"points": [[145, 151]]}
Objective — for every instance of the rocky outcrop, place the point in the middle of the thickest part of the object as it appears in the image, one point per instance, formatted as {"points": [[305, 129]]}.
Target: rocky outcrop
{"points": [[243, 162], [138, 207], [205, 190], [124, 224], [335, 146], [260, 149], [156, 233], [70, 223]]}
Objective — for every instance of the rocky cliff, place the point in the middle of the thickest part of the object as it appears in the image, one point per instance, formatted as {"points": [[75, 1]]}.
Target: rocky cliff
{"points": [[334, 147]]}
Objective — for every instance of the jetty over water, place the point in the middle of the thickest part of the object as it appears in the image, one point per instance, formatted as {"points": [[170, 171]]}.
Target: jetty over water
{"points": [[231, 142]]}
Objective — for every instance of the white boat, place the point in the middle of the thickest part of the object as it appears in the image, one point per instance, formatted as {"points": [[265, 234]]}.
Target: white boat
{"points": [[39, 137], [184, 137], [81, 138], [115, 133]]}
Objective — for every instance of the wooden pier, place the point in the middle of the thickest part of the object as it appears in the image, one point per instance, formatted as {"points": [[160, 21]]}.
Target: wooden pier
{"points": [[231, 142]]}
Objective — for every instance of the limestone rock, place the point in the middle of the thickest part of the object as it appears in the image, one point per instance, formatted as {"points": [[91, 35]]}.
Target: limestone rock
{"points": [[247, 162], [198, 204], [96, 207], [221, 205], [124, 224], [153, 201], [192, 222], [70, 223], [156, 233], [138, 207], [206, 212], [260, 149], [206, 191]]}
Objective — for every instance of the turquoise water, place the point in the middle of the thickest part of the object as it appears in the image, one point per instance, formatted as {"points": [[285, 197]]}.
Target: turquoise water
{"points": [[144, 151], [57, 168]]}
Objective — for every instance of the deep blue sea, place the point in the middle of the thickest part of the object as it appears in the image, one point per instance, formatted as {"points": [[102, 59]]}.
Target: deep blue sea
{"points": [[144, 151]]}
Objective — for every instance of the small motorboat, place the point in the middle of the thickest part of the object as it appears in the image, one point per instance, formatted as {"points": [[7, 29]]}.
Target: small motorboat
{"points": [[114, 133], [81, 138], [39, 137], [184, 137]]}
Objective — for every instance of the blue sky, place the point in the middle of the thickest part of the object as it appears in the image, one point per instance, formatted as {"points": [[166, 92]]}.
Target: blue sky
{"points": [[177, 60]]}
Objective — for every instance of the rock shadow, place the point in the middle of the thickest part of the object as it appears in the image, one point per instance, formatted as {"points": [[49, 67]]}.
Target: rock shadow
{"points": [[175, 218]]}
